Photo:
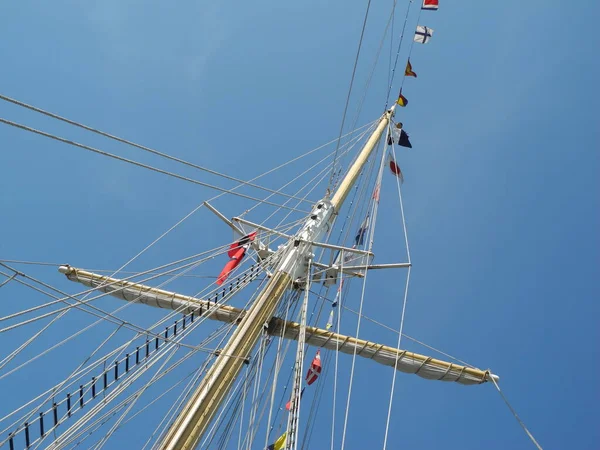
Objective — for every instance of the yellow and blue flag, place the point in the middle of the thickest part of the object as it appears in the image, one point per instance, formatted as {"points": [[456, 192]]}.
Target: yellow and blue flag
{"points": [[279, 443]]}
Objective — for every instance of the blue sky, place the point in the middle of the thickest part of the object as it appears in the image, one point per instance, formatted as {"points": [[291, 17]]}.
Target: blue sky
{"points": [[501, 190]]}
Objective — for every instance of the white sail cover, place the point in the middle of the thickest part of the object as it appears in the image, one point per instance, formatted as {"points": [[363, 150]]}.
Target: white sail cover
{"points": [[404, 361]]}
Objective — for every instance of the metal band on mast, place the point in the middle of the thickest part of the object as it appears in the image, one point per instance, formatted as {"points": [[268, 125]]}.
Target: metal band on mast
{"points": [[188, 428]]}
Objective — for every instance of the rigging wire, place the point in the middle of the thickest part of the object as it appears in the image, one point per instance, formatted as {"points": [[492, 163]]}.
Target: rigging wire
{"points": [[337, 346], [80, 427], [380, 48], [398, 53], [227, 328], [277, 364], [391, 41], [226, 435], [141, 147], [128, 272], [135, 163], [372, 212], [323, 172], [404, 301], [189, 266], [18, 261], [362, 33], [196, 209], [190, 386], [375, 62], [78, 374], [395, 331], [145, 406], [177, 405], [275, 368], [80, 303], [358, 197], [247, 305], [239, 445], [8, 278], [292, 298], [197, 323], [350, 144], [539, 447], [360, 194]]}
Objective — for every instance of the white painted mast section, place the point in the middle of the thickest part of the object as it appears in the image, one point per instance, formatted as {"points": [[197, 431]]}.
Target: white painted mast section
{"points": [[291, 440], [407, 362]]}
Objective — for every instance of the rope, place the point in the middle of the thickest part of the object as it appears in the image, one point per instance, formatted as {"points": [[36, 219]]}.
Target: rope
{"points": [[402, 316], [350, 145], [398, 53], [162, 235], [256, 390], [8, 279], [278, 364], [135, 163], [362, 298], [227, 328], [80, 427], [78, 374], [337, 347], [152, 402], [362, 33], [17, 261], [402, 209], [141, 147], [360, 192], [239, 446], [181, 336], [390, 22], [215, 252], [539, 447], [375, 62], [57, 389], [211, 434], [78, 305], [191, 385], [389, 414], [165, 234], [177, 405]]}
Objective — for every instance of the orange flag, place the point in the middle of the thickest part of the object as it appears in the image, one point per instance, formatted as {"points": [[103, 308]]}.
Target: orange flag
{"points": [[408, 72]]}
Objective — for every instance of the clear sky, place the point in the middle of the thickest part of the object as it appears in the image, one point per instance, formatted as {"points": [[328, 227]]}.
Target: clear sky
{"points": [[501, 191]]}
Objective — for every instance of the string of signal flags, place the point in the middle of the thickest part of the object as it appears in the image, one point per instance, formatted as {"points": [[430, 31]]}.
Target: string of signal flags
{"points": [[422, 35]]}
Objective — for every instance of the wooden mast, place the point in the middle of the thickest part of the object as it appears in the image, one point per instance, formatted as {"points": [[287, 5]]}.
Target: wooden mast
{"points": [[190, 425]]}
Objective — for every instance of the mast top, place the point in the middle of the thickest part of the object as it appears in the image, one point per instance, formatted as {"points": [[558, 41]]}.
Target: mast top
{"points": [[342, 192]]}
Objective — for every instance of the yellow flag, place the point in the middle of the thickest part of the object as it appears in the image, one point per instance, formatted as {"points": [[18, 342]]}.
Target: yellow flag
{"points": [[402, 101], [279, 443], [408, 72]]}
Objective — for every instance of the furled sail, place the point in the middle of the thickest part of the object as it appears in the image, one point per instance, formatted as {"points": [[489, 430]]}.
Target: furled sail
{"points": [[404, 361]]}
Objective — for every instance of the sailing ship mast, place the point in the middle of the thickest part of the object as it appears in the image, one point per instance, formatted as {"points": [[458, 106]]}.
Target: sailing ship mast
{"points": [[205, 401], [196, 415]]}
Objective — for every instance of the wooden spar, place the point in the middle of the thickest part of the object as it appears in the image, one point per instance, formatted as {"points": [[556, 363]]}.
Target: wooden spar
{"points": [[408, 362]]}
